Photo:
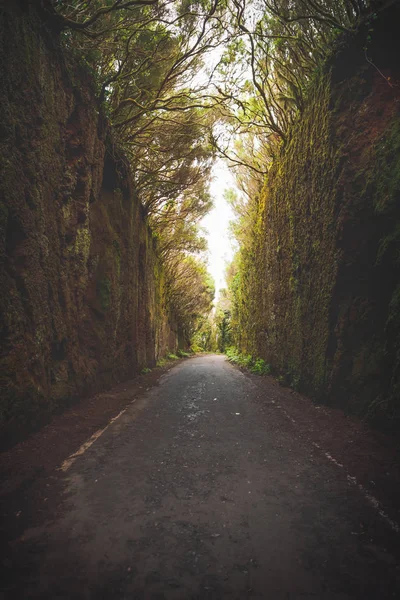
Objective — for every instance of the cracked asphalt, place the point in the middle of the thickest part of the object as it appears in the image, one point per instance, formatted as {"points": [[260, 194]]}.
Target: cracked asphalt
{"points": [[203, 490]]}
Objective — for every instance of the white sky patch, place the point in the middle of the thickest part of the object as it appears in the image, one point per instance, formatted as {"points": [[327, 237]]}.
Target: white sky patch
{"points": [[216, 223]]}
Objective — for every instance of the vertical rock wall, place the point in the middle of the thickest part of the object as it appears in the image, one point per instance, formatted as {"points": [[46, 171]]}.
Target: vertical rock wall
{"points": [[82, 299], [320, 291]]}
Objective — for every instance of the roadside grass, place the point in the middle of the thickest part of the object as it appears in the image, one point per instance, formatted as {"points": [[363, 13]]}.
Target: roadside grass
{"points": [[253, 364], [260, 367], [162, 362], [183, 354]]}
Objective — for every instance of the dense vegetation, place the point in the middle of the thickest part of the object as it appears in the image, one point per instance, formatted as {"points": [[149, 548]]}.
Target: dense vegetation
{"points": [[145, 57], [314, 285], [299, 97], [182, 81]]}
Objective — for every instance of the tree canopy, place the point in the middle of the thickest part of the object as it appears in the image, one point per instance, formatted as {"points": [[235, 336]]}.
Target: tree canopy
{"points": [[184, 81]]}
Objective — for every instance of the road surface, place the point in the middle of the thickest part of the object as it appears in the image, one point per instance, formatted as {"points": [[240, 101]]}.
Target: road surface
{"points": [[202, 490]]}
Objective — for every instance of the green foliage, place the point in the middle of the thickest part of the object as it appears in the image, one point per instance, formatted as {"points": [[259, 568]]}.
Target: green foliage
{"points": [[145, 371], [270, 291], [255, 365], [204, 335], [195, 348], [148, 60], [171, 356], [145, 59], [261, 367], [224, 333], [308, 293], [183, 354], [190, 291], [235, 356], [269, 67], [268, 111]]}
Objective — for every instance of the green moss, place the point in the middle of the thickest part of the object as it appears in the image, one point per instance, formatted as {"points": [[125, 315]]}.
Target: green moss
{"points": [[301, 299], [104, 292], [81, 245], [291, 265]]}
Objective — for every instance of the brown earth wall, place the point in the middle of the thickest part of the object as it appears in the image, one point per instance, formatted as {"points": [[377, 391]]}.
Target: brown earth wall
{"points": [[82, 299]]}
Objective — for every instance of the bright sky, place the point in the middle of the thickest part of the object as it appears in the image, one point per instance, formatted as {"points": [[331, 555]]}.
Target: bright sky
{"points": [[216, 225]]}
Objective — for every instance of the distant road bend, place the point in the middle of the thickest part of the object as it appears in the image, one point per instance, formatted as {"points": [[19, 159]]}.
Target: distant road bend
{"points": [[203, 490]]}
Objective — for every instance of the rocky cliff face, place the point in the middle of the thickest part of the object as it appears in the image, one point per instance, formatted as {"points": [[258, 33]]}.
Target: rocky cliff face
{"points": [[82, 297], [321, 293]]}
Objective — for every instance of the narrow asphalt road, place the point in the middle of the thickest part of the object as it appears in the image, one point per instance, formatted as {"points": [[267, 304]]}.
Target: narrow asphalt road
{"points": [[200, 490]]}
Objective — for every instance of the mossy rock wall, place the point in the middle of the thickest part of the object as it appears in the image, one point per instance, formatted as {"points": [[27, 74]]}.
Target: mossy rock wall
{"points": [[82, 299], [319, 296]]}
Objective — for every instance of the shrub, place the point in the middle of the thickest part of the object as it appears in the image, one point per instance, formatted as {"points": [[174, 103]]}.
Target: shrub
{"points": [[246, 360], [197, 348], [183, 354], [261, 367], [255, 365]]}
